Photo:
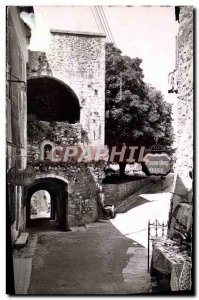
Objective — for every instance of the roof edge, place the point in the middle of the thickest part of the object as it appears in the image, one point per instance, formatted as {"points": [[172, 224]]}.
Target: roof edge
{"points": [[83, 33]]}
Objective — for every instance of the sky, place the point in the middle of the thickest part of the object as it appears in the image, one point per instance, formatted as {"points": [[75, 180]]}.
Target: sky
{"points": [[144, 32]]}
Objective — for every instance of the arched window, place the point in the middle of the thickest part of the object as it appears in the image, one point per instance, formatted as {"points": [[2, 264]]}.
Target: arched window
{"points": [[47, 149]]}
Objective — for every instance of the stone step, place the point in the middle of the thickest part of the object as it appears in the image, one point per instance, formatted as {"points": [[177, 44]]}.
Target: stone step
{"points": [[22, 240]]}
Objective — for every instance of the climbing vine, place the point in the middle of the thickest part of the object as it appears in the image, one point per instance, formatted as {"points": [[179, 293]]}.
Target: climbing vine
{"points": [[38, 130]]}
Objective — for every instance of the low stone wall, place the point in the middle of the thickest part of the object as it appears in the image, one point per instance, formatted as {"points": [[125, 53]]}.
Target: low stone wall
{"points": [[118, 191]]}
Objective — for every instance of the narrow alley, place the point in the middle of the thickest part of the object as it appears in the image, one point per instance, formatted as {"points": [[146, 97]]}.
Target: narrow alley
{"points": [[104, 256]]}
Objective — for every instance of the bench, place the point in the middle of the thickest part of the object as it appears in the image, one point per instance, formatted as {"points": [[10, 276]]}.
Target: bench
{"points": [[22, 240]]}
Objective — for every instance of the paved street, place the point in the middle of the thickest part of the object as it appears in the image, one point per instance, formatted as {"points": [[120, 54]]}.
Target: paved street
{"points": [[95, 260], [151, 205]]}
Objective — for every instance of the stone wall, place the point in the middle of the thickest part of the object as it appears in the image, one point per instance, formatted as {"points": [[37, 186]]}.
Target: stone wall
{"points": [[116, 192], [83, 180], [83, 187], [56, 134], [185, 92], [183, 183], [78, 60]]}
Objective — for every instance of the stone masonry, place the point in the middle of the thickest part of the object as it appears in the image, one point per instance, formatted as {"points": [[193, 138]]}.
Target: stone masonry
{"points": [[63, 134], [115, 193], [184, 163], [82, 189], [185, 92], [78, 60]]}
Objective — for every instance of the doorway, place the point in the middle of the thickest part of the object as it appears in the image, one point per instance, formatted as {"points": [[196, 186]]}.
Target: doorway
{"points": [[47, 205]]}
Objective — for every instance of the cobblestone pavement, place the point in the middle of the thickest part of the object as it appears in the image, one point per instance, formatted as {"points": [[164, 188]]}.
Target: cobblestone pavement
{"points": [[97, 259]]}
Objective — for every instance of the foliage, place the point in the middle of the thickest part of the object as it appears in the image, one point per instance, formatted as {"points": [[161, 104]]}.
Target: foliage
{"points": [[158, 125], [138, 115], [38, 130], [123, 114], [45, 165]]}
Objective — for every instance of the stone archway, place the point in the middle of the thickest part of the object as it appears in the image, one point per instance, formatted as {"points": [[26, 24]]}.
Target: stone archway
{"points": [[57, 189], [50, 99]]}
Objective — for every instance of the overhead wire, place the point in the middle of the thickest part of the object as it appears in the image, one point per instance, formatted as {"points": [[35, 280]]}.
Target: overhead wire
{"points": [[100, 21], [103, 21], [96, 20], [112, 38]]}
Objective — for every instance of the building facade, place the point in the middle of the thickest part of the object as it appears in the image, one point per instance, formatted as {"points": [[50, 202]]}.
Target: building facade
{"points": [[182, 202], [54, 99], [66, 98], [18, 35], [76, 63]]}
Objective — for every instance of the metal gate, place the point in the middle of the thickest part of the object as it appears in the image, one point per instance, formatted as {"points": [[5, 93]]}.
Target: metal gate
{"points": [[155, 230]]}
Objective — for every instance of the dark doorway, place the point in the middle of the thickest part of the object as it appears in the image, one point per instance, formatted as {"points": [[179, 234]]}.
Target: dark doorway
{"points": [[50, 198]]}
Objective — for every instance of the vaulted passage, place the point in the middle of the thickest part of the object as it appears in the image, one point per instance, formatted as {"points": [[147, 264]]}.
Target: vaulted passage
{"points": [[47, 205], [50, 99]]}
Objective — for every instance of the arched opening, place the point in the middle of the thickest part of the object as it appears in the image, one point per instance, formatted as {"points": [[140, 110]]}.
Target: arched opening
{"points": [[47, 149], [52, 213], [40, 205], [50, 99]]}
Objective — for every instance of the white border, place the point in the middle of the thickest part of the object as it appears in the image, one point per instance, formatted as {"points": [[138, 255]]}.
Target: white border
{"points": [[3, 3]]}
